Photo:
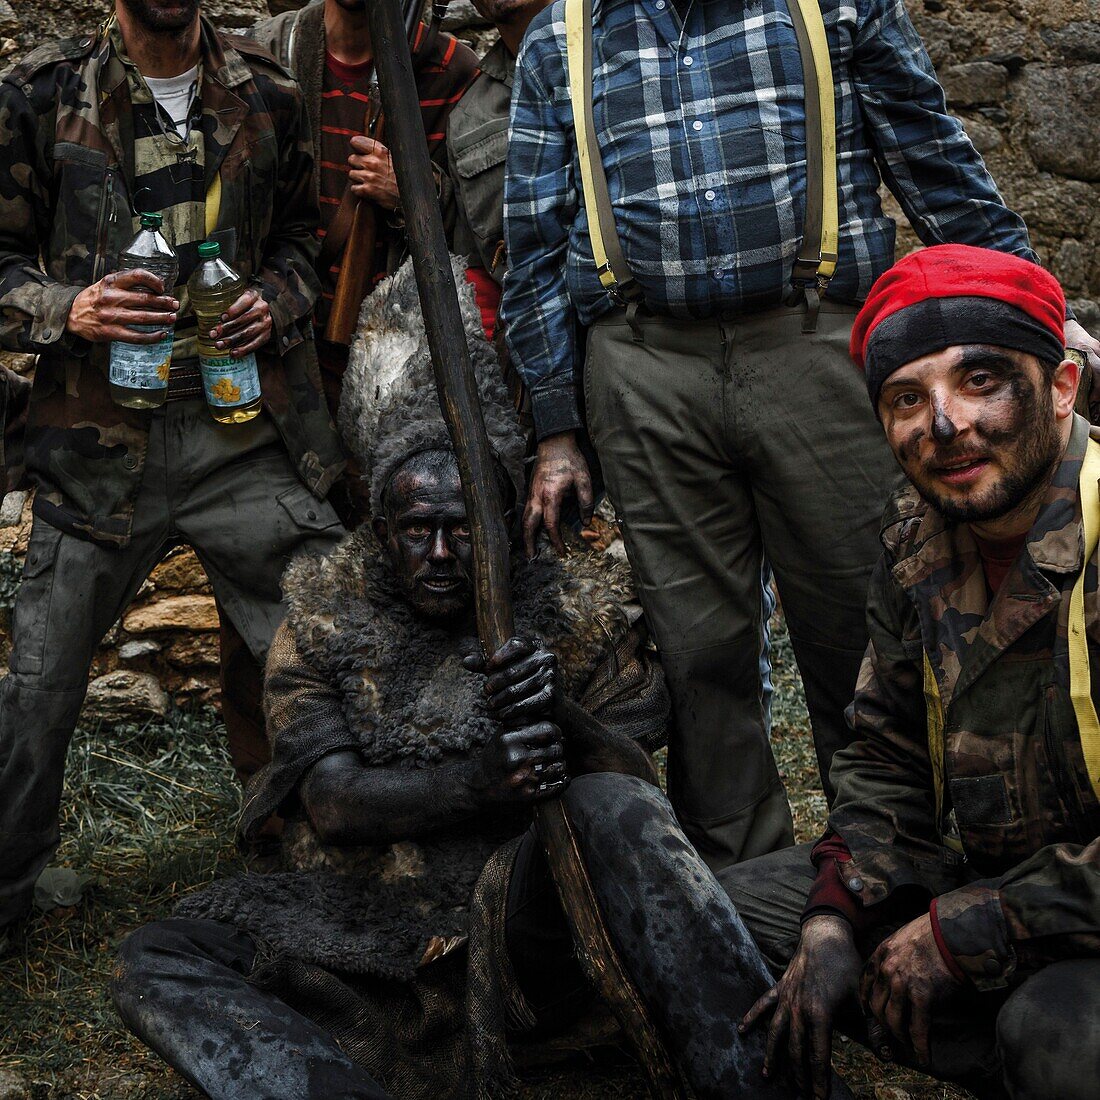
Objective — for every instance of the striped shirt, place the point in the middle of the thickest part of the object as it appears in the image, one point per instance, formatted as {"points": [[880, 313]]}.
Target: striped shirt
{"points": [[702, 123], [444, 69], [169, 180]]}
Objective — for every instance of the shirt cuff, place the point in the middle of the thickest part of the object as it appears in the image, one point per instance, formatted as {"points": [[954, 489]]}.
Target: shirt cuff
{"points": [[830, 894], [975, 934], [554, 410], [937, 934], [48, 326]]}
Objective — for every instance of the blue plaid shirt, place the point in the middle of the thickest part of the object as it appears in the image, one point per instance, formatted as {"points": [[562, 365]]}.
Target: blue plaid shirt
{"points": [[703, 130]]}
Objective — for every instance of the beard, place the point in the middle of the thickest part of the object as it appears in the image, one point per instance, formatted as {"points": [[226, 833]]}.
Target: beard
{"points": [[1027, 451], [160, 16], [439, 605]]}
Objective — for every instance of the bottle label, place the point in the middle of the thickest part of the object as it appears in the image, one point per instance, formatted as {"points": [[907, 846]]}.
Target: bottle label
{"points": [[141, 366], [229, 382]]}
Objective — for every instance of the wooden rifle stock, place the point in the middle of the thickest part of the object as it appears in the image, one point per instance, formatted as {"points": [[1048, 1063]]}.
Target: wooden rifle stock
{"points": [[357, 264], [458, 398]]}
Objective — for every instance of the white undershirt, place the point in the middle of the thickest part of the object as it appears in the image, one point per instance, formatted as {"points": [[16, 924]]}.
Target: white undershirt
{"points": [[174, 94]]}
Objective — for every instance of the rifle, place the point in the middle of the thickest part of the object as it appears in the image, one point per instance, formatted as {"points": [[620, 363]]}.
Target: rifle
{"points": [[353, 284], [458, 398]]}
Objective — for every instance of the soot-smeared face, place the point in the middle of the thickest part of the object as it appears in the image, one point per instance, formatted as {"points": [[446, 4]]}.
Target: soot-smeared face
{"points": [[975, 429], [163, 15], [426, 535]]}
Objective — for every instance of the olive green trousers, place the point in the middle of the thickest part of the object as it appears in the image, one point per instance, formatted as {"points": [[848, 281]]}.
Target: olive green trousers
{"points": [[722, 441]]}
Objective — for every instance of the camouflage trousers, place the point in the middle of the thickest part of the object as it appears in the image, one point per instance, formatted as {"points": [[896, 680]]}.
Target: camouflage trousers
{"points": [[723, 443], [231, 493]]}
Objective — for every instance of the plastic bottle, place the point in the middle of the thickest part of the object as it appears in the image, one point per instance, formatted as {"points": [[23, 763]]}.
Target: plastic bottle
{"points": [[139, 372], [232, 386]]}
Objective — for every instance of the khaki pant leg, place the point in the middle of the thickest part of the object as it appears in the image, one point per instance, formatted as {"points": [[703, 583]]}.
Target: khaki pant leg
{"points": [[821, 475], [238, 501], [658, 419], [71, 593]]}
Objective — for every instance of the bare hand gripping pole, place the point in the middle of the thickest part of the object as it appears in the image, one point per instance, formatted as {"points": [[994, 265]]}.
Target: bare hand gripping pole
{"points": [[458, 397]]}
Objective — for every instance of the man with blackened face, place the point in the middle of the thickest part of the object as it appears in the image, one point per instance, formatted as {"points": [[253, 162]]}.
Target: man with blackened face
{"points": [[950, 915]]}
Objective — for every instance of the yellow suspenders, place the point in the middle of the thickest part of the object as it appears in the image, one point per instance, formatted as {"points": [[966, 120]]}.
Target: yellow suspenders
{"points": [[817, 254], [213, 203], [1080, 683]]}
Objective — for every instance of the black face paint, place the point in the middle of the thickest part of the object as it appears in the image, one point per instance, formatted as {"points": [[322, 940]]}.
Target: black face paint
{"points": [[943, 431]]}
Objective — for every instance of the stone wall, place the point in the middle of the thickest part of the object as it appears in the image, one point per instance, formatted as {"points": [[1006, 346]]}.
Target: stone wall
{"points": [[1023, 75]]}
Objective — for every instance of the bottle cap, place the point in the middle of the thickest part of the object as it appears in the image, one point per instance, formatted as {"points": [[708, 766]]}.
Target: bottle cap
{"points": [[209, 250], [151, 220]]}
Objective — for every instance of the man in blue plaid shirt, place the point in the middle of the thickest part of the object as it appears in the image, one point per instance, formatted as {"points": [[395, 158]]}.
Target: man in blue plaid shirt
{"points": [[724, 429]]}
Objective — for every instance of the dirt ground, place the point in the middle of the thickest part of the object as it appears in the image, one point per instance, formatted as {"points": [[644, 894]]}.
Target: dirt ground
{"points": [[148, 815]]}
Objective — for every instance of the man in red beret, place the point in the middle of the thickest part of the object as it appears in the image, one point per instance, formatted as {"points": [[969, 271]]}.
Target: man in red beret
{"points": [[950, 915]]}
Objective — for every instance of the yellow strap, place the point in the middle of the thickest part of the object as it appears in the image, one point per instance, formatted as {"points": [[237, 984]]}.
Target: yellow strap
{"points": [[574, 50], [933, 705], [823, 66], [213, 203], [1080, 682]]}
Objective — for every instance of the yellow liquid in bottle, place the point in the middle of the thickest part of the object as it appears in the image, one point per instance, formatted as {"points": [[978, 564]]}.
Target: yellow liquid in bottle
{"points": [[232, 386]]}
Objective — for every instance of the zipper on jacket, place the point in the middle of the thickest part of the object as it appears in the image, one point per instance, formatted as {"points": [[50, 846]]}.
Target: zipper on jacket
{"points": [[106, 203]]}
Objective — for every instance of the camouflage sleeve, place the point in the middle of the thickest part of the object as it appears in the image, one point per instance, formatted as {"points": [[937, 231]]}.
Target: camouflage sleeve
{"points": [[1044, 909], [885, 804], [33, 307], [287, 269]]}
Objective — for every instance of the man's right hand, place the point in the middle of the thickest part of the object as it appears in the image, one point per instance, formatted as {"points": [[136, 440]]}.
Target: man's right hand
{"points": [[106, 310], [521, 765], [824, 972], [559, 468]]}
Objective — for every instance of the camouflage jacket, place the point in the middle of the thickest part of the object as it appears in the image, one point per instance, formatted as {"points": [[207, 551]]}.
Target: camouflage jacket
{"points": [[1017, 800], [66, 171]]}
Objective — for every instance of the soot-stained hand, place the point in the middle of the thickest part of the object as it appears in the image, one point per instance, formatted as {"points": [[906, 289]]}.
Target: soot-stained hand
{"points": [[521, 765], [520, 681], [804, 1002], [903, 982]]}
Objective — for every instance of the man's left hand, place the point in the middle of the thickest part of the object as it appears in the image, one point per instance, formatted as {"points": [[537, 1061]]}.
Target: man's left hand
{"points": [[245, 327], [521, 678], [1077, 337], [372, 176], [903, 982]]}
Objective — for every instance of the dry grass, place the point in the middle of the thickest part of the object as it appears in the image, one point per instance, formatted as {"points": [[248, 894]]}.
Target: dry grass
{"points": [[149, 813]]}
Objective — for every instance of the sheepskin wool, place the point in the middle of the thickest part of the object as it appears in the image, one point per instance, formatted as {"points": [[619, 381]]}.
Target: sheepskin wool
{"points": [[389, 408]]}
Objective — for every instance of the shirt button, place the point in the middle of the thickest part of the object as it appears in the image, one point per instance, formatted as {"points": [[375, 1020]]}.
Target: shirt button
{"points": [[696, 125], [689, 60], [130, 462], [660, 5], [719, 275], [855, 885], [311, 514], [47, 334], [286, 341], [709, 196]]}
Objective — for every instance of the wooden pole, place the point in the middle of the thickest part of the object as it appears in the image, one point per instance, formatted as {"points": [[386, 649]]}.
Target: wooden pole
{"points": [[462, 411]]}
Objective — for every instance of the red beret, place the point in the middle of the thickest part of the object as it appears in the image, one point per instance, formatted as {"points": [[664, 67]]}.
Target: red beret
{"points": [[996, 298]]}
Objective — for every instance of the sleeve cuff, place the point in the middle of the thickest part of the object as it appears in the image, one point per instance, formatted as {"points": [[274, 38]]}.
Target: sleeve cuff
{"points": [[830, 894], [937, 934], [555, 411], [287, 332], [974, 933], [48, 326]]}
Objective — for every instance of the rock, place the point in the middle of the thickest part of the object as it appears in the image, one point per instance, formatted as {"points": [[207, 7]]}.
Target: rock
{"points": [[59, 888], [1087, 312], [173, 613], [985, 136], [193, 651], [180, 572], [9, 21], [1063, 135], [11, 508], [1070, 264], [890, 1092], [125, 696], [1076, 41], [975, 82], [13, 1087], [8, 46], [132, 651], [462, 15], [234, 14]]}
